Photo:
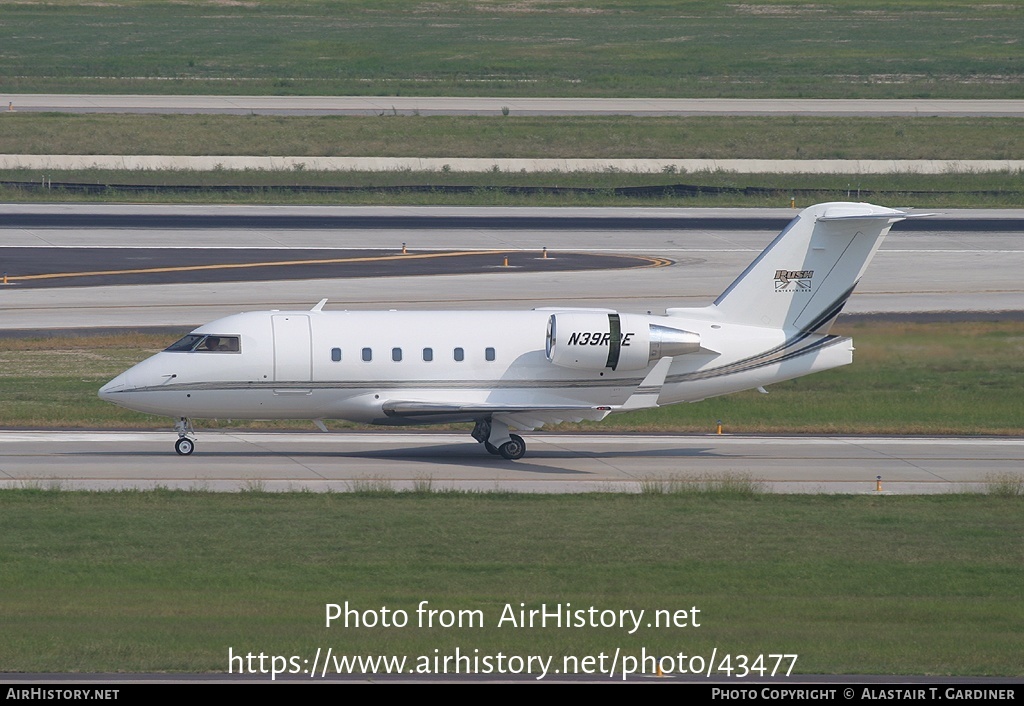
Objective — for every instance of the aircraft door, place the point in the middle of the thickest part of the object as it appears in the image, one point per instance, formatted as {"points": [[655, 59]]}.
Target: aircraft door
{"points": [[293, 348]]}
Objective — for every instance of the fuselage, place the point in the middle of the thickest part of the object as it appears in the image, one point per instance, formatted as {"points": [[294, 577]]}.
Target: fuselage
{"points": [[351, 364]]}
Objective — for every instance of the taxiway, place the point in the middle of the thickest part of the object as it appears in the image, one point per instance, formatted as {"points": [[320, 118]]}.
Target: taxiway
{"points": [[961, 261]]}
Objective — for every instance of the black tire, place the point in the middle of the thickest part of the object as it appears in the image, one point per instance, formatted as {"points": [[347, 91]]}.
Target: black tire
{"points": [[514, 449], [491, 448], [184, 446]]}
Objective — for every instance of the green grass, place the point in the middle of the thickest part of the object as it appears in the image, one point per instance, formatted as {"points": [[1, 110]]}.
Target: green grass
{"points": [[611, 137], [169, 581], [871, 48], [721, 189], [739, 485], [905, 379], [939, 378]]}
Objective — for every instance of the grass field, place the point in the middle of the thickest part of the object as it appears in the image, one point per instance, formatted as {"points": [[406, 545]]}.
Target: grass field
{"points": [[870, 48], [168, 581], [611, 137], [718, 189], [906, 379], [615, 137]]}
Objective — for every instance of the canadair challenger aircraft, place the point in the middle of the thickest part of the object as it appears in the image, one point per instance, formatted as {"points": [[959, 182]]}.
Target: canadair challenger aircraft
{"points": [[520, 369]]}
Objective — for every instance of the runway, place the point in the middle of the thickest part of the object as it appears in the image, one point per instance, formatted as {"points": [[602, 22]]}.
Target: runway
{"points": [[556, 463]]}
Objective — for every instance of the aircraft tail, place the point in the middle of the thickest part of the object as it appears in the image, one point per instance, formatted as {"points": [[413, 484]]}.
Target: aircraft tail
{"points": [[804, 277]]}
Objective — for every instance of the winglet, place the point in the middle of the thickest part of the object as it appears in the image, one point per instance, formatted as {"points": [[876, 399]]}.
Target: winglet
{"points": [[319, 306], [646, 395]]}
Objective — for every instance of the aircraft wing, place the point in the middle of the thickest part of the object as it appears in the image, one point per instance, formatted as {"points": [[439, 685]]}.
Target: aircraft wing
{"points": [[528, 417], [523, 417]]}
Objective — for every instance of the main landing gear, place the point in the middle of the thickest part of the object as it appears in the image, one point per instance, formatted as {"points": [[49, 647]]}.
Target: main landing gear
{"points": [[498, 441], [184, 446]]}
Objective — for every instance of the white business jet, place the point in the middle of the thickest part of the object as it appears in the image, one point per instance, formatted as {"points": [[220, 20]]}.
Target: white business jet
{"points": [[506, 370]]}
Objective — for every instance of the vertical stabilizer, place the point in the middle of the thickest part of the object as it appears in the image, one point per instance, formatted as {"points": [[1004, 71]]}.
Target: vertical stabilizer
{"points": [[804, 277]]}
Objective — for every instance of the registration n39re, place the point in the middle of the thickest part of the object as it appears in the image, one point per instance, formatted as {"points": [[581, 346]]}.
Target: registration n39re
{"points": [[519, 370]]}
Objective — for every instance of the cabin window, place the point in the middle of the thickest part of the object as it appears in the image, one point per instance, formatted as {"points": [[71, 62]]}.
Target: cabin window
{"points": [[428, 354], [460, 355], [206, 343], [396, 355], [367, 354], [489, 354], [336, 355]]}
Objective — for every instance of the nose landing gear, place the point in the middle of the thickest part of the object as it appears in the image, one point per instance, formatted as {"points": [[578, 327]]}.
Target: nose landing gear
{"points": [[184, 446]]}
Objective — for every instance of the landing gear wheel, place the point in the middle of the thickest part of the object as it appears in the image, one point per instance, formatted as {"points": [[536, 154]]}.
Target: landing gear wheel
{"points": [[184, 446], [491, 448], [514, 449]]}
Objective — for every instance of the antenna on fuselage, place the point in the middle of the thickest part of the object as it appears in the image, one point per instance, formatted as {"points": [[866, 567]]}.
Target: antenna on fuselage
{"points": [[319, 306]]}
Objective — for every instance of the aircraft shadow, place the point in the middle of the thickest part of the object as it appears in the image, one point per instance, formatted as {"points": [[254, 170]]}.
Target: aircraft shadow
{"points": [[465, 455]]}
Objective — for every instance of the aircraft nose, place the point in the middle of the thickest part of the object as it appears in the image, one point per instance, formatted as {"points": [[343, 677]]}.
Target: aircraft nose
{"points": [[118, 384]]}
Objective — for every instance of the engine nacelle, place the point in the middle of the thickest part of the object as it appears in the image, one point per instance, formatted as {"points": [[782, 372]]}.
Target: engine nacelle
{"points": [[591, 340]]}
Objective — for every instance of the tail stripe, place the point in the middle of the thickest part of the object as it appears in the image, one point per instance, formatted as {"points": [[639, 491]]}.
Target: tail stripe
{"points": [[826, 318], [786, 352], [792, 347]]}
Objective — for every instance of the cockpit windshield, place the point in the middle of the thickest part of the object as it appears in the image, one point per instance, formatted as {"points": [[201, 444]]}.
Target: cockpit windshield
{"points": [[206, 343]]}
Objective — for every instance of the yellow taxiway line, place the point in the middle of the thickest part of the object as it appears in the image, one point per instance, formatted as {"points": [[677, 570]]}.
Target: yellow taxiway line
{"points": [[655, 262]]}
